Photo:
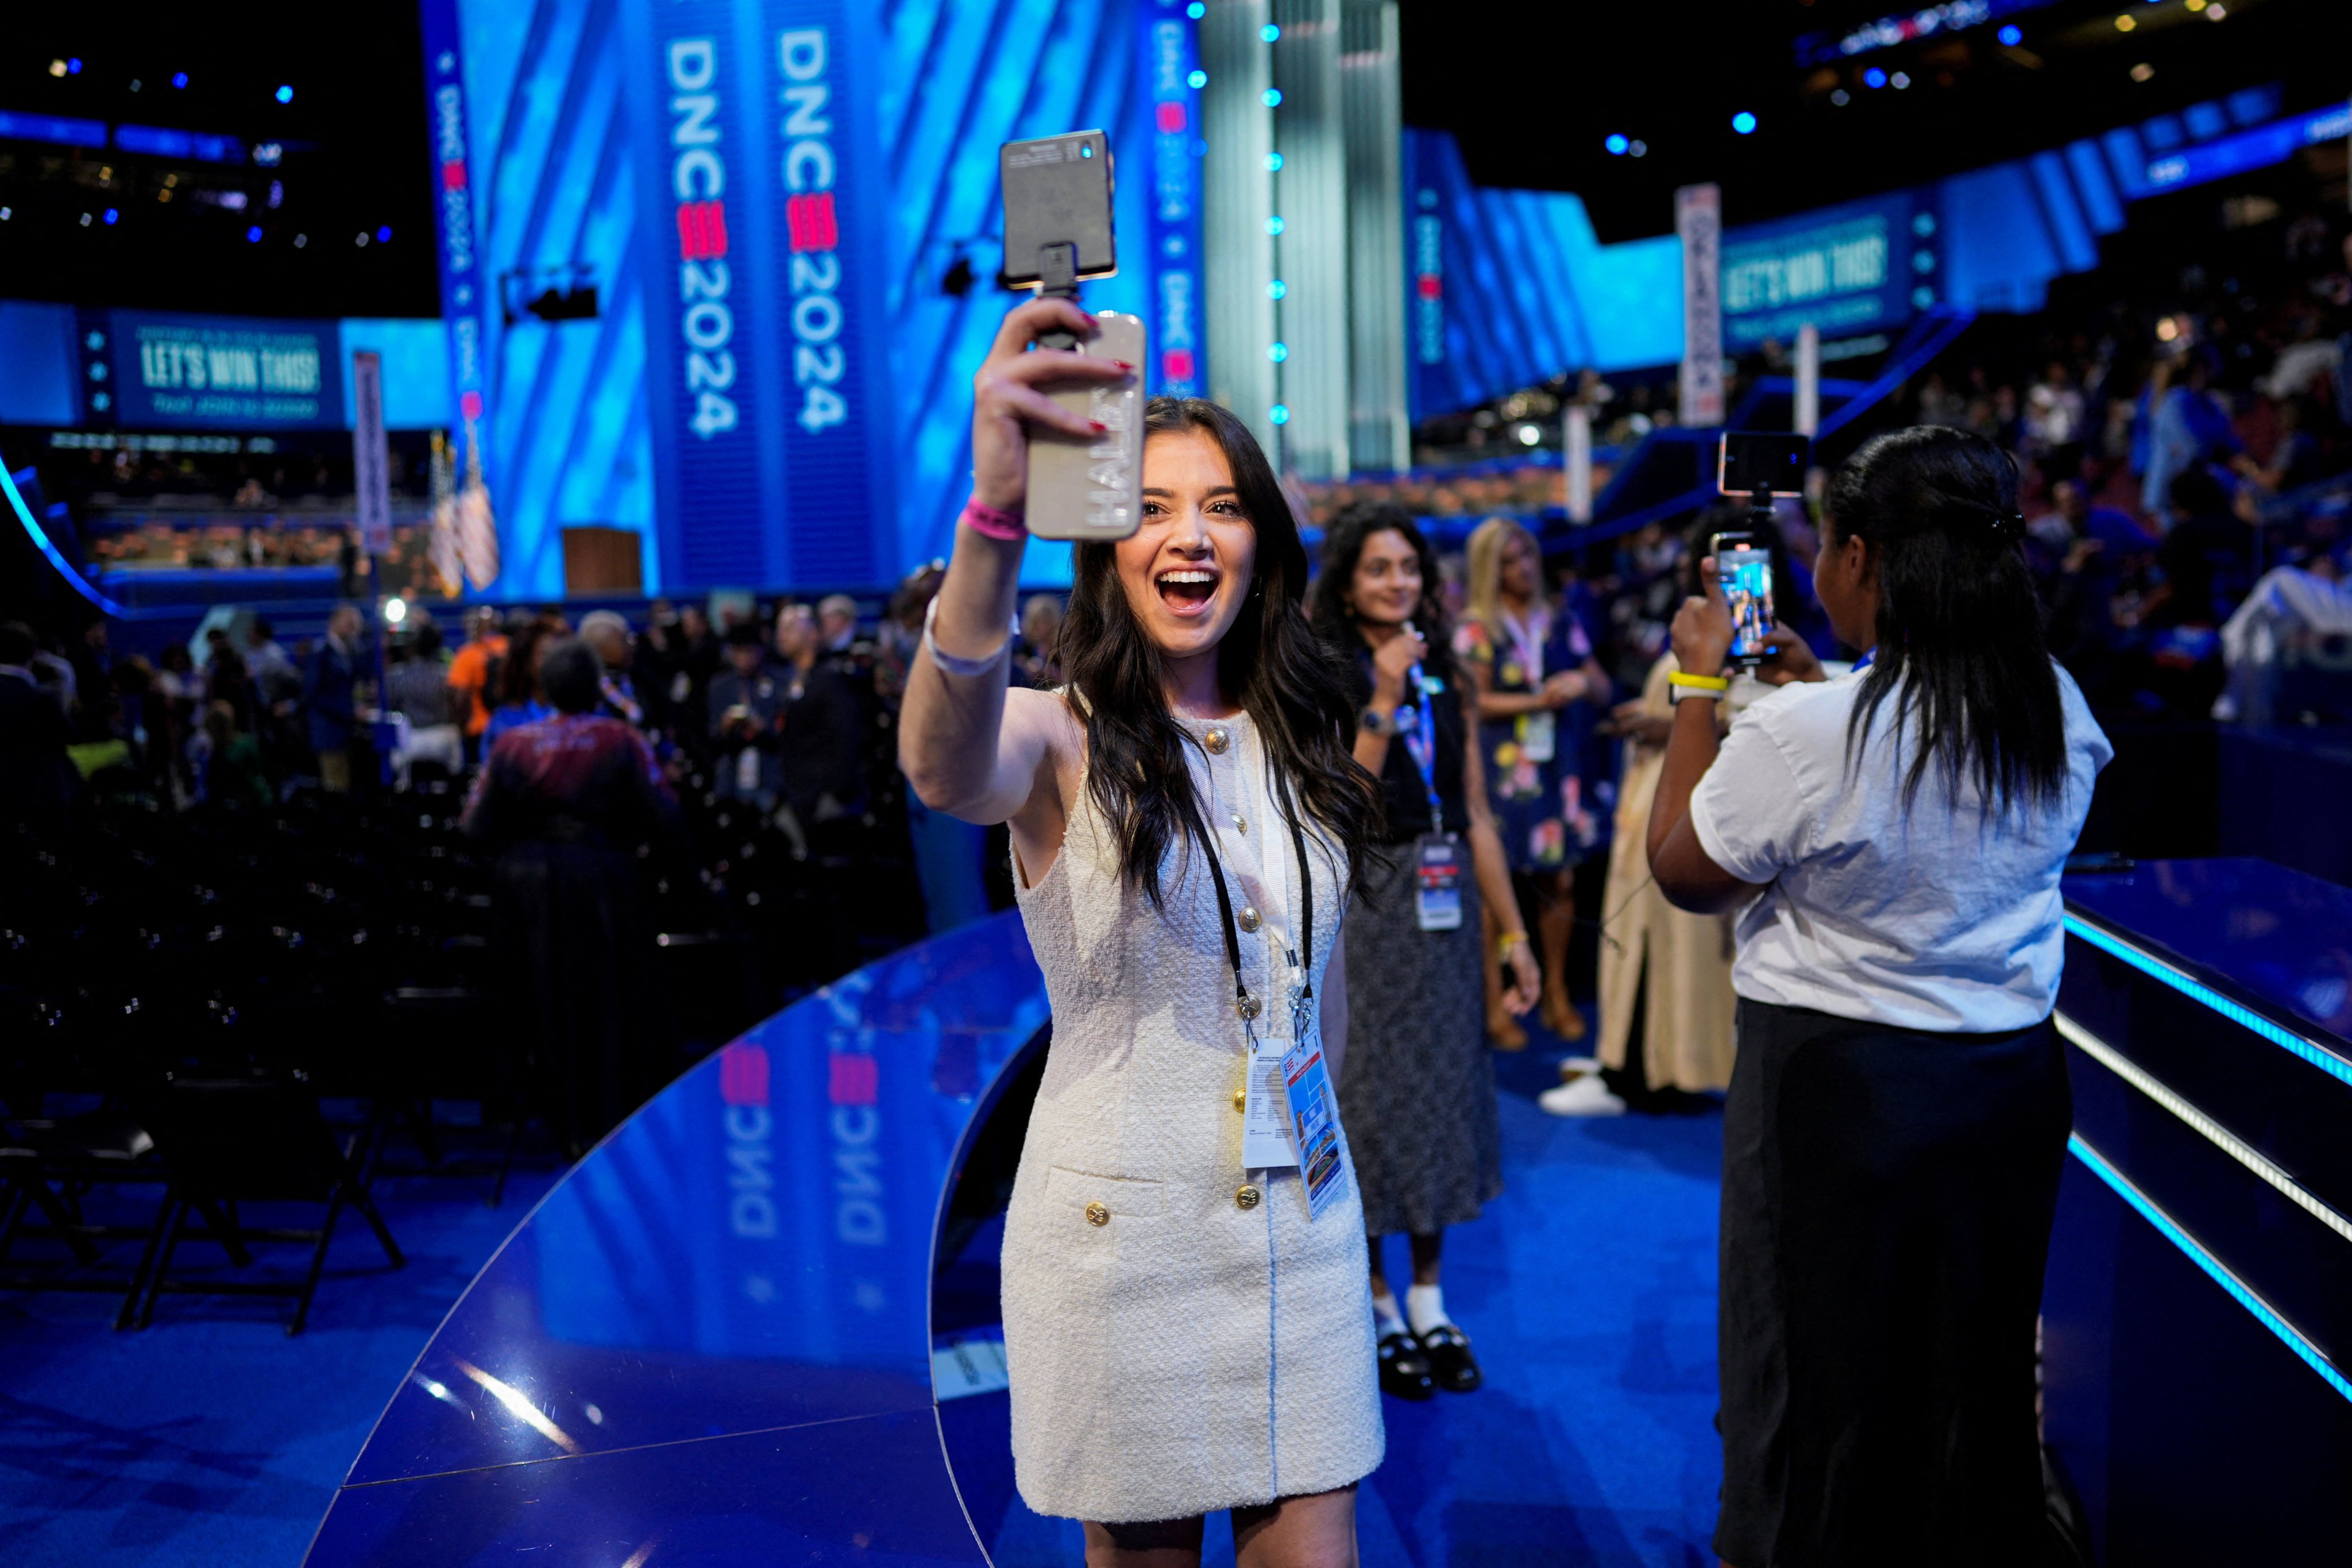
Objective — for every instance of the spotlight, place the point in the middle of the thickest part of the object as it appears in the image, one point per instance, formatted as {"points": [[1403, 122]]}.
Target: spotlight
{"points": [[1273, 225], [2126, 22], [1279, 414], [1639, 148], [73, 65], [300, 241], [1274, 162], [2143, 71], [1617, 143], [2013, 35], [1269, 32], [361, 238], [1278, 352], [1744, 123], [253, 234], [1840, 98], [396, 610], [1873, 77], [1197, 9], [1197, 80], [56, 67], [1274, 97], [180, 78], [1529, 436], [112, 216], [285, 94], [1899, 80], [1276, 290], [383, 235]]}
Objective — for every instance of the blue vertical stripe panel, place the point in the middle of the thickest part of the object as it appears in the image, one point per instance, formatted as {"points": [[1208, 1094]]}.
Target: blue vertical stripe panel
{"points": [[959, 79], [2128, 161], [2062, 212], [2102, 203], [555, 180], [1998, 252]]}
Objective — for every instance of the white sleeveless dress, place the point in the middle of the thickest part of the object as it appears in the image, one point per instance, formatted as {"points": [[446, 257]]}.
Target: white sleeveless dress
{"points": [[1173, 1353]]}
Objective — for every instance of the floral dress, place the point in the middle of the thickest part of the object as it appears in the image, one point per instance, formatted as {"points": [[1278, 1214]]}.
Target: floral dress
{"points": [[1535, 761]]}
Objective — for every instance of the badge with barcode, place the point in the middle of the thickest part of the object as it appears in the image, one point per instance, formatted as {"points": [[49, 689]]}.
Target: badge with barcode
{"points": [[1266, 1111]]}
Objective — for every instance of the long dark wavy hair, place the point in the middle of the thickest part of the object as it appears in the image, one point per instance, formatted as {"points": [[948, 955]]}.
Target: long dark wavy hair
{"points": [[1959, 631], [1343, 547], [1270, 663]]}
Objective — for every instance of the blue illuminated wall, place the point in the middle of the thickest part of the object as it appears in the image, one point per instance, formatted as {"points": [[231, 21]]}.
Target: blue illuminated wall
{"points": [[1508, 288], [554, 200], [957, 78], [1522, 291], [573, 162]]}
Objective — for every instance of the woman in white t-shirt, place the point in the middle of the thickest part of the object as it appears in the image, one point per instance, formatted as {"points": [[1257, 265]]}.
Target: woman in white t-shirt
{"points": [[1892, 840]]}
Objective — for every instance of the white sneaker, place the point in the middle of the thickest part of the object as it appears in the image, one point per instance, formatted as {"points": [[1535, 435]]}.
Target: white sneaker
{"points": [[1586, 1097], [1574, 1068]]}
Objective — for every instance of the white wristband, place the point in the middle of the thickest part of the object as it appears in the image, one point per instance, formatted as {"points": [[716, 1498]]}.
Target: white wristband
{"points": [[952, 665]]}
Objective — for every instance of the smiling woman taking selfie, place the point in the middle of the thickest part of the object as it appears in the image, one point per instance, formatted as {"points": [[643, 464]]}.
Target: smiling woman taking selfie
{"points": [[1893, 839], [1183, 1334]]}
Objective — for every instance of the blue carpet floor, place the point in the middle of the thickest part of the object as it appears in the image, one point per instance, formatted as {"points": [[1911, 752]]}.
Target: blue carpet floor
{"points": [[1589, 1289], [213, 1439]]}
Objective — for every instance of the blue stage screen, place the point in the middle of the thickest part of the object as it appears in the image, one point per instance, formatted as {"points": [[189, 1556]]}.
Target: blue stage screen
{"points": [[1846, 269], [220, 373]]}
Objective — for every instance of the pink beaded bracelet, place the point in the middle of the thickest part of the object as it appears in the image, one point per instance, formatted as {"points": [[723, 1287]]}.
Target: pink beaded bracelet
{"points": [[989, 523]]}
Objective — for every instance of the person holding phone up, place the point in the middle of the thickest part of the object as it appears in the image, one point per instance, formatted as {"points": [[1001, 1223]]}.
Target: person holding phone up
{"points": [[1185, 1321], [1892, 840], [1419, 1095]]}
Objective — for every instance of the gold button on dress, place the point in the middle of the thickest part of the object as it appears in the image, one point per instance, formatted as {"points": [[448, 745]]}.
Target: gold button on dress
{"points": [[1097, 1215]]}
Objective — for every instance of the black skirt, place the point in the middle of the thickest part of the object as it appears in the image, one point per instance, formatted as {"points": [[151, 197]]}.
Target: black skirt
{"points": [[1887, 1197]]}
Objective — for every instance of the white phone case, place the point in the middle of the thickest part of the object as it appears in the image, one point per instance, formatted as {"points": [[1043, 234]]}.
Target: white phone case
{"points": [[1082, 489]]}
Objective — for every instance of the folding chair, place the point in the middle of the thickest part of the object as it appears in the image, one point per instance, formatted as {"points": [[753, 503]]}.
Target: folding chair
{"points": [[246, 1140]]}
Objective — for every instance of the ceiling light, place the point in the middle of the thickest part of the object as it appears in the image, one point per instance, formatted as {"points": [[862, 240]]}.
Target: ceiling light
{"points": [[2142, 71], [1899, 80], [2126, 22], [1744, 123], [2014, 35], [1617, 142], [1840, 98]]}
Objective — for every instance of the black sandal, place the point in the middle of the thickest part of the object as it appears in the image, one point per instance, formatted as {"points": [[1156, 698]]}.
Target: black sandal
{"points": [[1404, 1371], [1450, 1362]]}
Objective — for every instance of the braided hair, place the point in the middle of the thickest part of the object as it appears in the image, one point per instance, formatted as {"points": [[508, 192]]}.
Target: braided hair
{"points": [[1959, 629]]}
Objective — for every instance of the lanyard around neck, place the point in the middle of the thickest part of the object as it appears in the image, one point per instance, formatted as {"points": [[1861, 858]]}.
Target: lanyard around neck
{"points": [[1244, 1003], [1421, 745]]}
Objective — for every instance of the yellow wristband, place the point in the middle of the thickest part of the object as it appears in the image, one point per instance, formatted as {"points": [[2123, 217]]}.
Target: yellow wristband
{"points": [[1704, 682], [1509, 940]]}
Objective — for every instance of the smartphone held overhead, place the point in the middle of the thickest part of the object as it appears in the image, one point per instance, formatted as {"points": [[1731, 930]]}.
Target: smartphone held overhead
{"points": [[1058, 230]]}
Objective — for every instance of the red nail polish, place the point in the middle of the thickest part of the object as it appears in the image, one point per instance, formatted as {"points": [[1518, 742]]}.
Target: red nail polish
{"points": [[1099, 424], [1123, 365]]}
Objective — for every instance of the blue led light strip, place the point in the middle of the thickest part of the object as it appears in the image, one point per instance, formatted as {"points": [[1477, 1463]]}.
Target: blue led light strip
{"points": [[2220, 1137], [2312, 1051], [2263, 1312], [56, 558]]}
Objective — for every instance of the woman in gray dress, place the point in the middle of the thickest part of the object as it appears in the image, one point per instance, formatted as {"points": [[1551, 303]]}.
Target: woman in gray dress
{"points": [[1418, 1099]]}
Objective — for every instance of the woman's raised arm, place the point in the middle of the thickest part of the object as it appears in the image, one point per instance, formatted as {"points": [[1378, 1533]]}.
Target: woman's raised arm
{"points": [[968, 746]]}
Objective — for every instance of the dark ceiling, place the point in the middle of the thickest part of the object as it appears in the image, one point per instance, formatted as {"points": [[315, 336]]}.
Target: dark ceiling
{"points": [[354, 161], [1532, 91]]}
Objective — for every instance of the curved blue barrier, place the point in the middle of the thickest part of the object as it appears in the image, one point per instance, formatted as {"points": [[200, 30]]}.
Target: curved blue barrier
{"points": [[711, 1341]]}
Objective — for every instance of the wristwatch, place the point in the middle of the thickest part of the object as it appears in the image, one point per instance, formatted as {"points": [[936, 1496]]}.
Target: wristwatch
{"points": [[1375, 722]]}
